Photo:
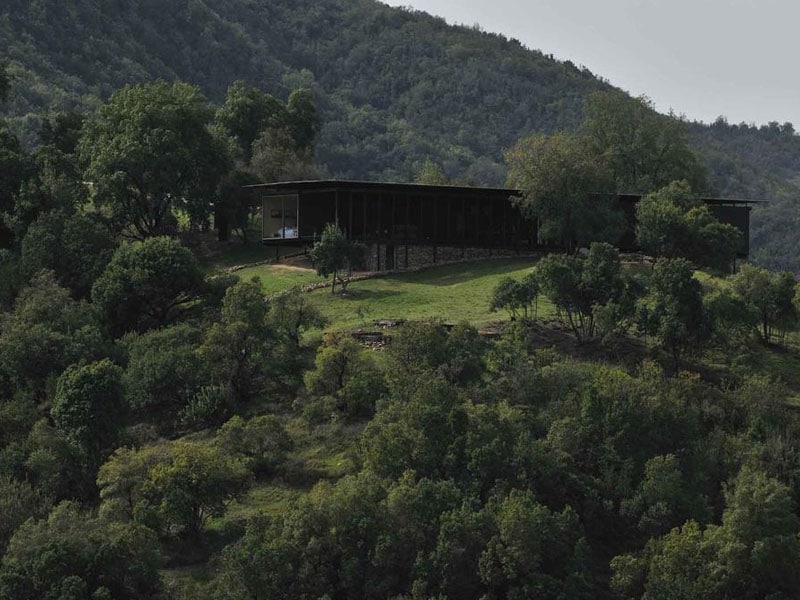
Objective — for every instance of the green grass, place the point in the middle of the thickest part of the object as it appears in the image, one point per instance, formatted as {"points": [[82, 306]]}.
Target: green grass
{"points": [[452, 293], [277, 278]]}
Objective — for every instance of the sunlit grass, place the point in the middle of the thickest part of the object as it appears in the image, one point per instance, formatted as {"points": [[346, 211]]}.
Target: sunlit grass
{"points": [[453, 293], [277, 278]]}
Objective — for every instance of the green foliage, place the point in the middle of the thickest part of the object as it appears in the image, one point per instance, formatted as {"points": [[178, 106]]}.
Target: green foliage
{"points": [[424, 349], [89, 408], [246, 112], [149, 152], [262, 442], [515, 296], [673, 313], [74, 555], [644, 150], [146, 285], [565, 187], [673, 222], [302, 120], [336, 255], [580, 288], [5, 81], [750, 555], [291, 314], [14, 171], [276, 158], [46, 332], [164, 368], [768, 298], [76, 247], [535, 552], [430, 173], [19, 501], [240, 350], [346, 373], [175, 488]]}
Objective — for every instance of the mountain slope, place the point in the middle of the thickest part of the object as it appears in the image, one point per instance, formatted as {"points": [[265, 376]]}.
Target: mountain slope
{"points": [[394, 87]]}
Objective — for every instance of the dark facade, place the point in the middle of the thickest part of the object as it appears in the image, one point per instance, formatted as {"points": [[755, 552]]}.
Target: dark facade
{"points": [[399, 213], [407, 215]]}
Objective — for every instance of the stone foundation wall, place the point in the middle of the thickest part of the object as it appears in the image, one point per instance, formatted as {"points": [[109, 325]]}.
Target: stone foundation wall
{"points": [[382, 257]]}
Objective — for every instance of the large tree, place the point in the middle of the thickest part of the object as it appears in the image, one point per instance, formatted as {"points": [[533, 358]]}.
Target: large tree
{"points": [[89, 408], [644, 150], [147, 284], [72, 555], [674, 222], [246, 112], [566, 187], [149, 152]]}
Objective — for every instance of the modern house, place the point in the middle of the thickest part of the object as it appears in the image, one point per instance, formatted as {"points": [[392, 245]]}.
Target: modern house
{"points": [[406, 225]]}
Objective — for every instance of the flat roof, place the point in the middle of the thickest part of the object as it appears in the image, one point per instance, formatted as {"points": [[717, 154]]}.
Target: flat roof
{"points": [[365, 186], [323, 185]]}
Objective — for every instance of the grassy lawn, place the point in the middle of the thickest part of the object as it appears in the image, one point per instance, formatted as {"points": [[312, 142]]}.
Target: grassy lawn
{"points": [[451, 292], [276, 278]]}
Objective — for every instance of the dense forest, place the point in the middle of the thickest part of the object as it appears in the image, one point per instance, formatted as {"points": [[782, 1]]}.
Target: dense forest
{"points": [[627, 429], [394, 88]]}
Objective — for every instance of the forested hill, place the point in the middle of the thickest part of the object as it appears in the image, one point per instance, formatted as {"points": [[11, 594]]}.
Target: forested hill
{"points": [[393, 87]]}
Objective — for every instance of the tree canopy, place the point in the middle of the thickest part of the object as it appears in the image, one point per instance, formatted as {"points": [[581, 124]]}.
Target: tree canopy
{"points": [[566, 188], [149, 152]]}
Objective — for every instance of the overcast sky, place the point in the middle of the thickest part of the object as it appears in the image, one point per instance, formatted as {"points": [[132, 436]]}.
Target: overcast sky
{"points": [[701, 58]]}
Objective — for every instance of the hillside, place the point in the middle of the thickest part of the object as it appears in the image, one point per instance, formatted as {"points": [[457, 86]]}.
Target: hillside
{"points": [[394, 87]]}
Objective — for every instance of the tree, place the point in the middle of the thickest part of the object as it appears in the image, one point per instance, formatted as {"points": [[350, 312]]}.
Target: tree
{"points": [[181, 485], [234, 206], [72, 555], [673, 222], [751, 555], [535, 553], [244, 351], [291, 314], [89, 408], [303, 122], [163, 370], [147, 284], [76, 247], [148, 152], [674, 313], [580, 287], [334, 255], [15, 169], [19, 501], [347, 375], [5, 81], [262, 442], [430, 173], [644, 150], [276, 157], [247, 112], [513, 296], [768, 298], [566, 187], [45, 333]]}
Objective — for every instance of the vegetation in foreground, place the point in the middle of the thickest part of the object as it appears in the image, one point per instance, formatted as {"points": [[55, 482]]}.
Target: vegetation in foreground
{"points": [[170, 433]]}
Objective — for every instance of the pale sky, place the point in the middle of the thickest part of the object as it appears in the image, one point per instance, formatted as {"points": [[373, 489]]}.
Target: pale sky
{"points": [[701, 58]]}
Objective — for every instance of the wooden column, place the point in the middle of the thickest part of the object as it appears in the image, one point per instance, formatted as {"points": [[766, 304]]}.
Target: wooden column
{"points": [[405, 232], [464, 228], [364, 203], [350, 232], [435, 235]]}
